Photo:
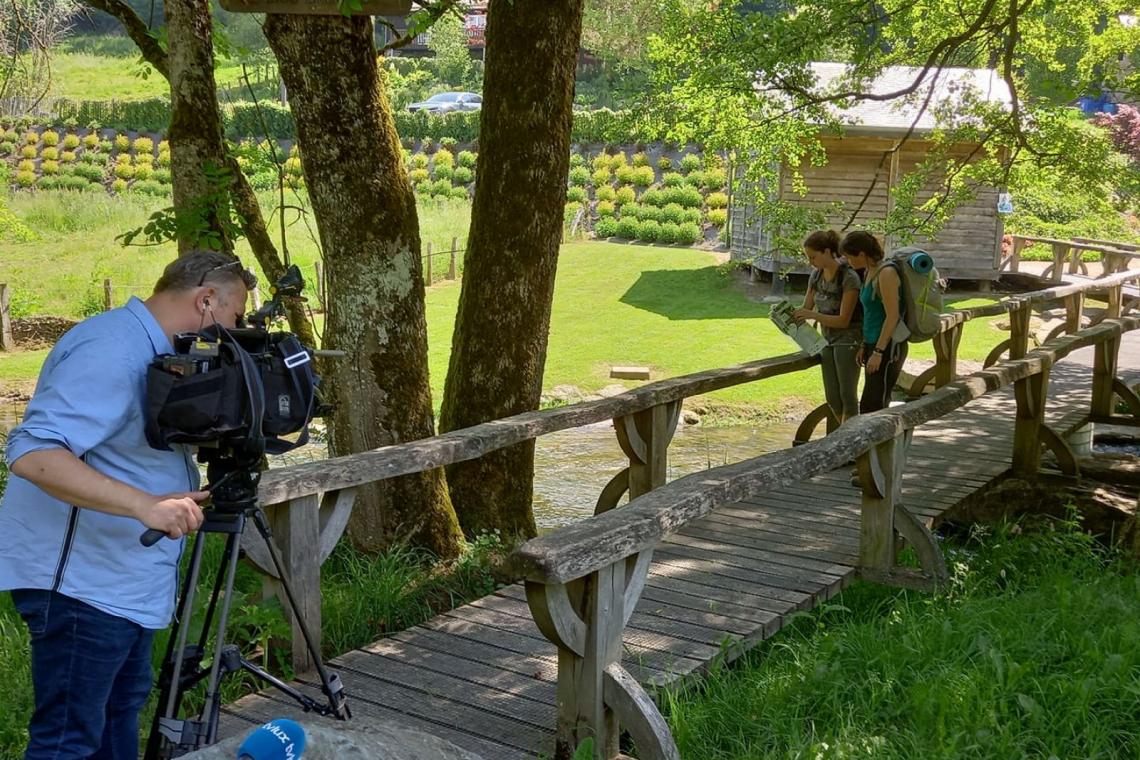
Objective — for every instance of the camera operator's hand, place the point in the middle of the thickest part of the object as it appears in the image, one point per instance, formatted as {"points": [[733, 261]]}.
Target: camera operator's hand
{"points": [[176, 514]]}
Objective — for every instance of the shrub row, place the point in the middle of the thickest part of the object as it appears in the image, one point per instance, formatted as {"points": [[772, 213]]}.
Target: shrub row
{"points": [[649, 230]]}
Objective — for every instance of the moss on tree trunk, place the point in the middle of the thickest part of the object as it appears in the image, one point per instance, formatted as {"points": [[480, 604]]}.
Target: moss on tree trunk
{"points": [[499, 346], [366, 217]]}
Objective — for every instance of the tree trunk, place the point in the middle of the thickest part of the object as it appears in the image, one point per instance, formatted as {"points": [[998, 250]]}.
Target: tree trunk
{"points": [[195, 127], [499, 346], [366, 216]]}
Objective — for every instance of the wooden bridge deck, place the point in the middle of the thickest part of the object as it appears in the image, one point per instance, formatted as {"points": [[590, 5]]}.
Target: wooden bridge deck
{"points": [[483, 676]]}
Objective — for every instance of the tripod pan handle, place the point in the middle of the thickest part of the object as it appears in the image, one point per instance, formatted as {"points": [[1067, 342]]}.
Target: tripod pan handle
{"points": [[151, 537]]}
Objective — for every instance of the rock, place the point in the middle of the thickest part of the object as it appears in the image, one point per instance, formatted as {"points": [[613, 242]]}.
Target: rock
{"points": [[567, 393], [330, 740], [690, 417]]}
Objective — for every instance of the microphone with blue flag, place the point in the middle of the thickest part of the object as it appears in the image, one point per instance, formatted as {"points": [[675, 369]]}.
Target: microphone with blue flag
{"points": [[279, 739]]}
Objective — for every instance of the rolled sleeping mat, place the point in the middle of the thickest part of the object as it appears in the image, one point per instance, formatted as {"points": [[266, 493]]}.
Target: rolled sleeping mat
{"points": [[921, 262]]}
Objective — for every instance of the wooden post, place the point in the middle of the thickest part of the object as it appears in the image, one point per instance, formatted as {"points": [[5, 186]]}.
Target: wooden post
{"points": [[427, 277], [644, 437], [1018, 245], [297, 533], [1060, 250], [880, 472], [107, 305], [1074, 310], [1031, 394], [1105, 359], [1075, 259], [1019, 330], [1115, 302], [320, 283], [946, 353], [7, 341], [454, 250]]}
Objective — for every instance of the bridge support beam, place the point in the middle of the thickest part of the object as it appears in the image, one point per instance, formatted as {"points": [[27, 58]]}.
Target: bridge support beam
{"points": [[885, 520], [1027, 436]]}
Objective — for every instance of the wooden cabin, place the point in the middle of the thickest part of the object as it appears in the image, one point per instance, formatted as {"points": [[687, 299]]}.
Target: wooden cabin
{"points": [[863, 166]]}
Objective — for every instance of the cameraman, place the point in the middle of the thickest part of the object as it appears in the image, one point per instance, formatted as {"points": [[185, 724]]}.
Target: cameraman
{"points": [[85, 483]]}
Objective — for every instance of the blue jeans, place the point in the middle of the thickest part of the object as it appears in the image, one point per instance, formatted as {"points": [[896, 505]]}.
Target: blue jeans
{"points": [[92, 676]]}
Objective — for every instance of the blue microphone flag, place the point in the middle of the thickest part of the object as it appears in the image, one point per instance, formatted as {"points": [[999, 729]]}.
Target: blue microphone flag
{"points": [[279, 739]]}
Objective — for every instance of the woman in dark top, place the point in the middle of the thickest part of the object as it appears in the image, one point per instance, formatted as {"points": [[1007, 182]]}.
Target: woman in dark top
{"points": [[881, 297], [833, 301]]}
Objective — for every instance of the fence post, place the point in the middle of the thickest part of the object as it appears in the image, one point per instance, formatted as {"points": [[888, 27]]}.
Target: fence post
{"points": [[107, 305], [1019, 330], [7, 342], [1015, 262], [1060, 252], [880, 473], [296, 531], [1074, 310], [946, 353], [427, 278], [454, 249], [1030, 394]]}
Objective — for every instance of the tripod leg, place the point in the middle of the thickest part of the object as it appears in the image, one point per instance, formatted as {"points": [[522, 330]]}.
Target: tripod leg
{"points": [[213, 686], [170, 676], [330, 682]]}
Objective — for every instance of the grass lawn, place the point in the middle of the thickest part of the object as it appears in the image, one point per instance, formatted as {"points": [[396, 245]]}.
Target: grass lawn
{"points": [[90, 76]]}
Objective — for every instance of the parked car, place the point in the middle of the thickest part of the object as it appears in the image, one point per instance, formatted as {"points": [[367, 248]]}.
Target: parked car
{"points": [[446, 102]]}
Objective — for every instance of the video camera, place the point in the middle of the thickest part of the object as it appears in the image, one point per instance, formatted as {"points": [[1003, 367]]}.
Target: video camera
{"points": [[235, 393]]}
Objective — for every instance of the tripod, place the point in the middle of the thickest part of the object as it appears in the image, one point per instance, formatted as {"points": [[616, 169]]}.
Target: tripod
{"points": [[234, 488]]}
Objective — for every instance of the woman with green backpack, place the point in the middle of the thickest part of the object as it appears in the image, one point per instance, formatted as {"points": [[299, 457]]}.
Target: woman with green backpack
{"points": [[882, 299]]}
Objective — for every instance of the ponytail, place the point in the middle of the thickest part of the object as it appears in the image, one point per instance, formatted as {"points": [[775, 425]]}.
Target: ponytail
{"points": [[864, 243], [823, 241]]}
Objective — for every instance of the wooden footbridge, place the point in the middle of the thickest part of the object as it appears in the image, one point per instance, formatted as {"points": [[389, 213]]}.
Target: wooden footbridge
{"points": [[701, 568]]}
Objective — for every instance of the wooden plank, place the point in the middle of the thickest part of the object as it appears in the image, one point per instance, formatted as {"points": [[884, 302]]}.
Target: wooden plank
{"points": [[758, 555], [736, 565]]}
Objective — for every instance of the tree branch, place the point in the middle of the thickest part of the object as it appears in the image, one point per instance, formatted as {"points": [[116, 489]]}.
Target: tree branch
{"points": [[137, 30]]}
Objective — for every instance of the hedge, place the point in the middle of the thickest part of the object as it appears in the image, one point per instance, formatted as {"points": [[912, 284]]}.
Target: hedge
{"points": [[242, 120]]}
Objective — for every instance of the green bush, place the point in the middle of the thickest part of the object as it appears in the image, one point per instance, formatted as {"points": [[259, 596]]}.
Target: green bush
{"points": [[605, 208], [49, 167], [7, 148], [74, 183], [94, 159], [467, 158], [624, 195], [70, 141], [144, 172], [717, 200], [650, 214], [418, 161], [26, 165], [664, 163], [25, 179], [448, 143], [122, 143], [444, 172], [627, 228], [124, 171], [668, 233], [605, 193], [150, 187], [631, 210], [50, 138], [48, 183], [441, 187], [606, 227], [579, 176], [694, 179], [463, 176], [691, 216], [690, 162], [576, 194], [28, 151], [649, 230], [105, 146], [601, 176], [459, 194], [673, 179], [643, 176], [119, 186], [427, 145], [625, 175], [91, 140], [143, 146], [31, 138], [68, 156], [617, 160], [164, 158], [576, 160], [416, 176], [640, 159], [144, 159], [89, 172], [686, 196], [9, 135], [123, 159], [444, 157], [654, 197], [600, 161], [423, 188], [714, 179], [688, 233], [673, 212], [718, 216]]}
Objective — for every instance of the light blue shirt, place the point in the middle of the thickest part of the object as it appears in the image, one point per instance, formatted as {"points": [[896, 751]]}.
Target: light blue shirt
{"points": [[90, 399]]}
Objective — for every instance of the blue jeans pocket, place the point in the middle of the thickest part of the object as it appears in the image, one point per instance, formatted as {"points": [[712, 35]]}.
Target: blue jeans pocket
{"points": [[33, 606]]}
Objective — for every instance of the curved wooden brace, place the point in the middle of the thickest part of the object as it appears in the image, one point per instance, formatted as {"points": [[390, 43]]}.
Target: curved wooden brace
{"points": [[674, 414], [1058, 330], [256, 552], [993, 356], [1066, 459], [613, 492], [924, 378], [336, 508], [1048, 273], [917, 535], [1128, 395], [630, 440], [807, 428], [636, 712], [636, 571], [871, 475], [556, 617]]}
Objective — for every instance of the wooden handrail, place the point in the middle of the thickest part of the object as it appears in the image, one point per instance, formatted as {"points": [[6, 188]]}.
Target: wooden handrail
{"points": [[577, 550]]}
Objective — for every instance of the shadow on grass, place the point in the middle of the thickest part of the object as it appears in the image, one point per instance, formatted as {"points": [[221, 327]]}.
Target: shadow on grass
{"points": [[690, 294]]}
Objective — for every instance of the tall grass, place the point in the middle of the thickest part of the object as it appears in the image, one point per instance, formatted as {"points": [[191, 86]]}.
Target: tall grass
{"points": [[1032, 653]]}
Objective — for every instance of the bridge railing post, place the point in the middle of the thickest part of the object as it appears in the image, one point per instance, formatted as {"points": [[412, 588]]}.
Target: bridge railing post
{"points": [[596, 696], [644, 437], [946, 354], [296, 531], [1105, 357], [1029, 422]]}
